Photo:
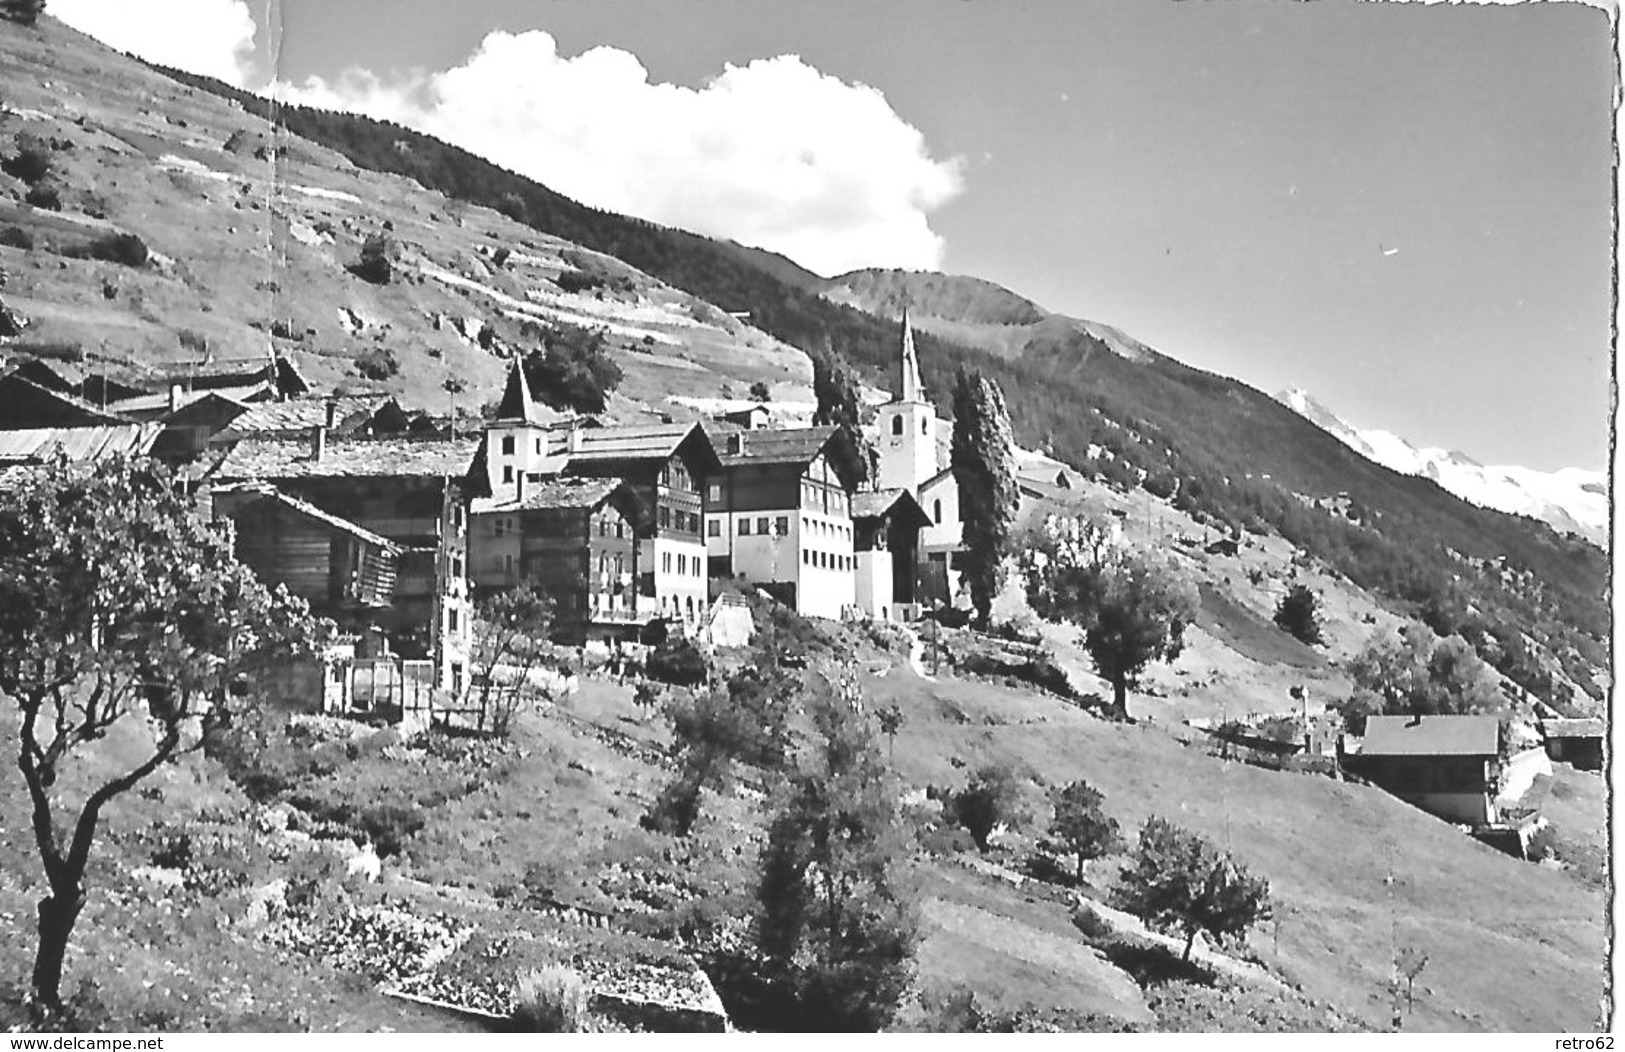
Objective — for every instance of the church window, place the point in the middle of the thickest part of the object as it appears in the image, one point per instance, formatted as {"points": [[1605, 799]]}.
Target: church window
{"points": [[936, 511], [507, 445], [925, 425], [896, 425]]}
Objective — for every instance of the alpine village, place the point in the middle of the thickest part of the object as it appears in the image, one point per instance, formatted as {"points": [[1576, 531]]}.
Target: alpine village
{"points": [[429, 604]]}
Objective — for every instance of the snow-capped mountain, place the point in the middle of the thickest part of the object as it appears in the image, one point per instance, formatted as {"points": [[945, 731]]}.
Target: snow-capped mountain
{"points": [[1572, 500]]}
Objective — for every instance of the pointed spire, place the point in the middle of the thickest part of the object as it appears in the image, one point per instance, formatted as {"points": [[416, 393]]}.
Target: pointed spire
{"points": [[517, 404], [910, 389]]}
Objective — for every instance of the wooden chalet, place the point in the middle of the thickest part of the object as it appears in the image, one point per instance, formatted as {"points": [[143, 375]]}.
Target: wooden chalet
{"points": [[780, 516], [574, 540], [1576, 742], [886, 528], [1441, 764], [343, 570], [410, 491], [245, 380], [663, 464]]}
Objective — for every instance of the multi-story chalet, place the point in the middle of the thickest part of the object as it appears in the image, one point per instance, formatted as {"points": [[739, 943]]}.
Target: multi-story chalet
{"points": [[780, 516], [411, 491], [886, 537], [1441, 764], [664, 465], [574, 540]]}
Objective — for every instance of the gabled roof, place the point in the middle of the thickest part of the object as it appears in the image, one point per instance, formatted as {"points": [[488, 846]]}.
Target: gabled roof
{"points": [[793, 446], [45, 375], [299, 415], [263, 491], [25, 403], [1592, 728], [872, 504], [555, 494], [279, 374], [390, 457], [1431, 736], [599, 447]]}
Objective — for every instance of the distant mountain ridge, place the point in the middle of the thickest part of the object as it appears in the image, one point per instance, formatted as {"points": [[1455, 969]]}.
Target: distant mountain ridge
{"points": [[1572, 500]]}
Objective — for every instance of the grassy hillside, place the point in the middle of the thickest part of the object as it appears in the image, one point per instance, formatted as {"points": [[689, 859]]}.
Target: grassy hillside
{"points": [[252, 234]]}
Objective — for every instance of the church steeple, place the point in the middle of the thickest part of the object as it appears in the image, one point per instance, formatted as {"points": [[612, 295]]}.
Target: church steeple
{"points": [[909, 388], [517, 406]]}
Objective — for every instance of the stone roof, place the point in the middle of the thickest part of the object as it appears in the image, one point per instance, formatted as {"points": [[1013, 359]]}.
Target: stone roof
{"points": [[872, 504], [1431, 736], [390, 457], [297, 415], [555, 494], [1585, 728]]}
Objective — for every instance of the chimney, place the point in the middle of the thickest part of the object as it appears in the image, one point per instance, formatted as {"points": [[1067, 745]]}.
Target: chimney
{"points": [[332, 413], [318, 442], [174, 396]]}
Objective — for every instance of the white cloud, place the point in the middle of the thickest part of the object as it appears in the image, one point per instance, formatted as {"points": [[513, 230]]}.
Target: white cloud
{"points": [[211, 37], [774, 153]]}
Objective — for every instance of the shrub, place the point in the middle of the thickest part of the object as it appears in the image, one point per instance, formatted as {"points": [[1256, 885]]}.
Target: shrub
{"points": [[378, 364], [125, 249], [1180, 882], [984, 803], [45, 196], [17, 237], [32, 161], [574, 281], [374, 264], [550, 1000], [1298, 614], [677, 661], [759, 392]]}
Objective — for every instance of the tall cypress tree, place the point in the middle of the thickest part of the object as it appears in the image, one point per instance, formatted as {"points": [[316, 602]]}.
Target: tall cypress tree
{"points": [[835, 387], [983, 456]]}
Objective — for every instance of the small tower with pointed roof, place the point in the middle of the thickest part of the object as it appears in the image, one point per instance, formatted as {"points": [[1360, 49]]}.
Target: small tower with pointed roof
{"points": [[908, 440], [516, 441]]}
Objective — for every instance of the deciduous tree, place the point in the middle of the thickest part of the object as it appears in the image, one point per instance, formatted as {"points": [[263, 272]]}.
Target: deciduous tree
{"points": [[1412, 672], [983, 457], [1081, 824], [1182, 883], [835, 924], [121, 610], [1133, 608], [510, 631]]}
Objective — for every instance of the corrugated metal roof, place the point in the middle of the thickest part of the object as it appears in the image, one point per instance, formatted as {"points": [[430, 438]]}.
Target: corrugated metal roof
{"points": [[310, 511], [34, 445], [390, 457], [1431, 736]]}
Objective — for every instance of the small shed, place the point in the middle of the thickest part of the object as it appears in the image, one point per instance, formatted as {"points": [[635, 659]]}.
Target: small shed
{"points": [[1576, 742], [1441, 764]]}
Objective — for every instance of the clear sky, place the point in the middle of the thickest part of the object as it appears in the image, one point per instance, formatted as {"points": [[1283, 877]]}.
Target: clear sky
{"points": [[1405, 209]]}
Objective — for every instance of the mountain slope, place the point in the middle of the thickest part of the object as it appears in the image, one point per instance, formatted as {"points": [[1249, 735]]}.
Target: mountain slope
{"points": [[252, 234], [1571, 500]]}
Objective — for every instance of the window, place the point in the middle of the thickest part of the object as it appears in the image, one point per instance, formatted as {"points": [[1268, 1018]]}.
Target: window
{"points": [[782, 526], [713, 493], [744, 527], [806, 556], [665, 562], [697, 567], [936, 511], [682, 563], [618, 570], [538, 447], [507, 473], [714, 528], [507, 563], [925, 425], [665, 518], [451, 619], [896, 425], [507, 445], [761, 525], [620, 528]]}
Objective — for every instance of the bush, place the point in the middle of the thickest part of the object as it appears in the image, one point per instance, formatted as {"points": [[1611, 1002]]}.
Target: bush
{"points": [[550, 1000], [952, 617], [125, 249], [575, 282], [984, 803], [45, 196], [374, 264], [679, 662], [32, 161], [759, 392], [574, 370], [17, 237], [378, 364], [1298, 614]]}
